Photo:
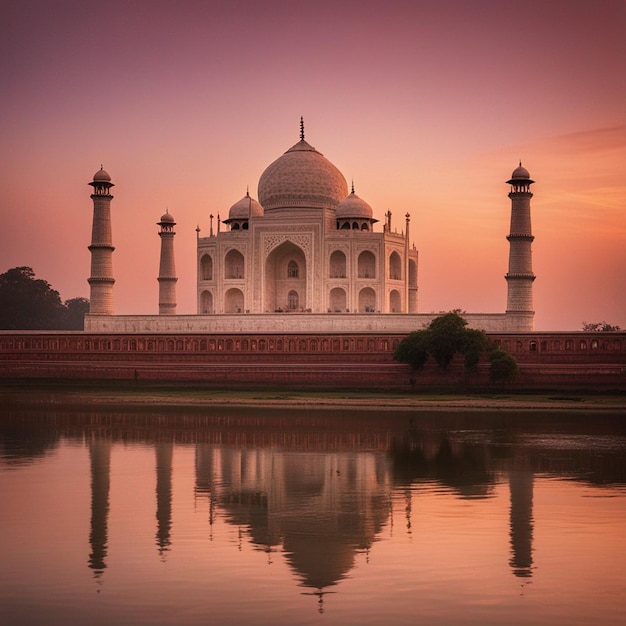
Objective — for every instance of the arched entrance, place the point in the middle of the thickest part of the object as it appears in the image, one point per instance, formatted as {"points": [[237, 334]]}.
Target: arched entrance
{"points": [[285, 281]]}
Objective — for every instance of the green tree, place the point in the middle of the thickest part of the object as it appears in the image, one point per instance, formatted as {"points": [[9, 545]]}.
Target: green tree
{"points": [[444, 337], [29, 303], [74, 314], [413, 349], [503, 366], [599, 327]]}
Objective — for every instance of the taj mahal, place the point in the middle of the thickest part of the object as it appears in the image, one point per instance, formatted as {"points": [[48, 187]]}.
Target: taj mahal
{"points": [[308, 255]]}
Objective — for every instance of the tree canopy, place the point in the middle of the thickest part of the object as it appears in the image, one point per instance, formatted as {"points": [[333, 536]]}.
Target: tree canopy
{"points": [[448, 335], [603, 327], [29, 303], [444, 337]]}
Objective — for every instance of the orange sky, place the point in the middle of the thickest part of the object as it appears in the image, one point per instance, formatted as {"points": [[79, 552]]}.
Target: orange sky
{"points": [[427, 106]]}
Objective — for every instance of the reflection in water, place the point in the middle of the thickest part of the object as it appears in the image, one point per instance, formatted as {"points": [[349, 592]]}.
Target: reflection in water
{"points": [[320, 508], [321, 492], [521, 488], [164, 452], [100, 460]]}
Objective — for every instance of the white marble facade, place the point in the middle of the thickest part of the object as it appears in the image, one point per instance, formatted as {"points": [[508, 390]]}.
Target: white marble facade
{"points": [[307, 245]]}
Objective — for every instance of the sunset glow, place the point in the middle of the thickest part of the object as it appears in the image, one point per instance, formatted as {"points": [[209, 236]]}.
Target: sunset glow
{"points": [[426, 106]]}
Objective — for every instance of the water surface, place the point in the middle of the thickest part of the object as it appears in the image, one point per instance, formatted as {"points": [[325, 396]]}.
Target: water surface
{"points": [[274, 516]]}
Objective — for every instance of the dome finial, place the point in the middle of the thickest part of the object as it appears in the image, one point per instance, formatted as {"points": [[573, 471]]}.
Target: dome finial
{"points": [[301, 128], [353, 186]]}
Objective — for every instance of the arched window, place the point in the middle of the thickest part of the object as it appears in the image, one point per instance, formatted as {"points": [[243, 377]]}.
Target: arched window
{"points": [[233, 301], [206, 303], [367, 300], [293, 300], [395, 301], [234, 265], [337, 264], [206, 267], [337, 300], [293, 271], [395, 266], [367, 265]]}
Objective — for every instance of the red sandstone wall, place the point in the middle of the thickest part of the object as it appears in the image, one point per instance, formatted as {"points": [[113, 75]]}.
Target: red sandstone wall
{"points": [[547, 360]]}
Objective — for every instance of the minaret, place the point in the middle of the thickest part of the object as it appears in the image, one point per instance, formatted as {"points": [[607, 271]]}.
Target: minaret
{"points": [[520, 276], [101, 248], [167, 269]]}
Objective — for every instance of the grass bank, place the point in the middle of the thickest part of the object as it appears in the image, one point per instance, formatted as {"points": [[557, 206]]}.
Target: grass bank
{"points": [[70, 393]]}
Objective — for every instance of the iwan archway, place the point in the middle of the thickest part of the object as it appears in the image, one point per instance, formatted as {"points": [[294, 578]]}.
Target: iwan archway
{"points": [[285, 282]]}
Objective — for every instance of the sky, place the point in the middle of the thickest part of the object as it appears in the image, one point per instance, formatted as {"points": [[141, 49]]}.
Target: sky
{"points": [[427, 106]]}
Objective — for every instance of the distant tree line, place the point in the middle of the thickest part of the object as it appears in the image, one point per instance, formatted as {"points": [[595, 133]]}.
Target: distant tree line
{"points": [[602, 327], [448, 335], [29, 303]]}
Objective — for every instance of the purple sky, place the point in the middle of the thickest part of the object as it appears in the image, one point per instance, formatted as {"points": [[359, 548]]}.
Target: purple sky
{"points": [[427, 106]]}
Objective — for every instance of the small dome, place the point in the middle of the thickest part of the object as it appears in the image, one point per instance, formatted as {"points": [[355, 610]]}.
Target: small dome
{"points": [[167, 218], [354, 207], [301, 177], [245, 208], [101, 176], [520, 178], [520, 173]]}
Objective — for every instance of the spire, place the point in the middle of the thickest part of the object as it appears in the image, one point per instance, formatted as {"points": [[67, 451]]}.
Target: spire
{"points": [[301, 128]]}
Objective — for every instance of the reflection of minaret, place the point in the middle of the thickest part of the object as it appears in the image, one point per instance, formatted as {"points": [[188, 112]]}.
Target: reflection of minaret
{"points": [[164, 495], [100, 458], [206, 463], [521, 522]]}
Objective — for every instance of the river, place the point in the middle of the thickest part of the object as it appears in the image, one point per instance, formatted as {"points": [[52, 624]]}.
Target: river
{"points": [[293, 516]]}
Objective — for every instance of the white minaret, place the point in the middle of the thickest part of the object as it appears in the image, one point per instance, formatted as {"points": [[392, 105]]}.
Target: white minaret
{"points": [[101, 280], [520, 276], [167, 268]]}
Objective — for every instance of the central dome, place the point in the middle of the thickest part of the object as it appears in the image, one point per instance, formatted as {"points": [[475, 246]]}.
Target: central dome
{"points": [[301, 178]]}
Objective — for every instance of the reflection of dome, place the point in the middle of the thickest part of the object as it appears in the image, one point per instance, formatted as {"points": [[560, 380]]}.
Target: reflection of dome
{"points": [[245, 208], [101, 176], [353, 206], [167, 218], [302, 177]]}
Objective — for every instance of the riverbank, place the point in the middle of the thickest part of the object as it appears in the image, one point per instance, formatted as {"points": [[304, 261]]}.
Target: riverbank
{"points": [[189, 396]]}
